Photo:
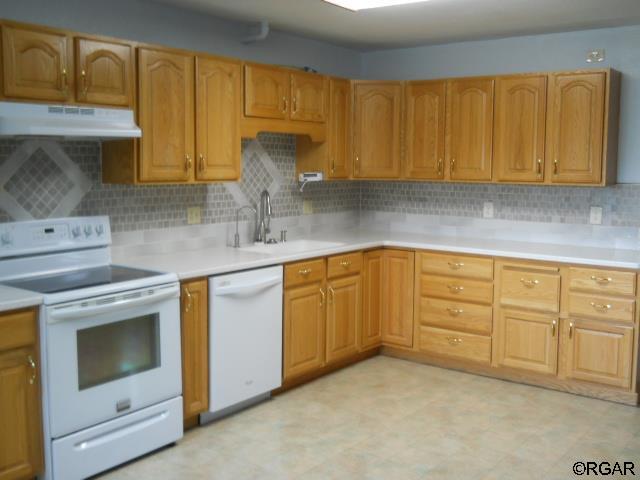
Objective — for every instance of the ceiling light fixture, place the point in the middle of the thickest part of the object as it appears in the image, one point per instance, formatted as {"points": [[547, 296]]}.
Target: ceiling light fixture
{"points": [[356, 5]]}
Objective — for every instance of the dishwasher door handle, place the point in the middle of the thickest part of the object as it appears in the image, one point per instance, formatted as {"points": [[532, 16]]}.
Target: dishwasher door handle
{"points": [[245, 289]]}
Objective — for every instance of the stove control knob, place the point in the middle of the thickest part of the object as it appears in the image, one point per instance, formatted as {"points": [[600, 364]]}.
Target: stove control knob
{"points": [[99, 230], [6, 239], [75, 231], [87, 230]]}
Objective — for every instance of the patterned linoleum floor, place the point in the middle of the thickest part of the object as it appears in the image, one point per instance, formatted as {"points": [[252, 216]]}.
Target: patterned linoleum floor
{"points": [[391, 419]]}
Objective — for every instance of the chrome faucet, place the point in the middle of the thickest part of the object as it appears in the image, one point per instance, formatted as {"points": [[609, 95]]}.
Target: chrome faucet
{"points": [[236, 237], [263, 228]]}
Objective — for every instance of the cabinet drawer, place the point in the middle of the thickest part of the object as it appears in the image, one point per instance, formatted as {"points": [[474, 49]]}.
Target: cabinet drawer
{"points": [[457, 266], [450, 343], [456, 315], [530, 289], [604, 308], [602, 281], [346, 264], [456, 289], [18, 329], [303, 272]]}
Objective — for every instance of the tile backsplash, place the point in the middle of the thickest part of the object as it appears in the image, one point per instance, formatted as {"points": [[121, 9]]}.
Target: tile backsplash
{"points": [[41, 178]]}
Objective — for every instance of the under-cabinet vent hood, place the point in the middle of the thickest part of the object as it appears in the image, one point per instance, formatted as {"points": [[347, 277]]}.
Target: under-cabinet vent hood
{"points": [[69, 121]]}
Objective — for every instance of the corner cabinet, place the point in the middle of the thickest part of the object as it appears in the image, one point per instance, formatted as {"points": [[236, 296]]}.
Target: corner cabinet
{"points": [[20, 408], [373, 292], [397, 298]]}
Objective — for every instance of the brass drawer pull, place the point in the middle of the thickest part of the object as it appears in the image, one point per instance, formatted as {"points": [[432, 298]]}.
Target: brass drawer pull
{"points": [[601, 307], [304, 271], [601, 280], [455, 265], [455, 341], [455, 311], [32, 364], [345, 263], [455, 288], [529, 283]]}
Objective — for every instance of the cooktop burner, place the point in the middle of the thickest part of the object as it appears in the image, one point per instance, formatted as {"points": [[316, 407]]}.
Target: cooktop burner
{"points": [[79, 279]]}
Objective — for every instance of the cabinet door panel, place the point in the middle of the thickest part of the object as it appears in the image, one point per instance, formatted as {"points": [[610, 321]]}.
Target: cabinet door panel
{"points": [[599, 353], [397, 311], [377, 130], [527, 341], [36, 65], [218, 100], [520, 128], [344, 310], [166, 115], [104, 72], [266, 92], [195, 347], [372, 293], [470, 129], [425, 127], [339, 128], [304, 329], [308, 97], [576, 127]]}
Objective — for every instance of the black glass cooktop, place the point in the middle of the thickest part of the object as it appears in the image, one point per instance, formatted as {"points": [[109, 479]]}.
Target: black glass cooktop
{"points": [[78, 279]]}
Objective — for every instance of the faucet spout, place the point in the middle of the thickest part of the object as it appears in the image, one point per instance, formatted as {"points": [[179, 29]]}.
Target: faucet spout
{"points": [[264, 223], [236, 237]]}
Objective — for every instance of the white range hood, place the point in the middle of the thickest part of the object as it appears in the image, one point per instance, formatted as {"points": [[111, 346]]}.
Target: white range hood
{"points": [[69, 121]]}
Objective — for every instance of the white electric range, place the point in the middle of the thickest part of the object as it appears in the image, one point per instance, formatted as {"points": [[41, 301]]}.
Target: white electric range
{"points": [[109, 345]]}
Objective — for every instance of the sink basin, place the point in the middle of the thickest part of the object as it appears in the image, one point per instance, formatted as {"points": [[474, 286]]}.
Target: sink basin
{"points": [[293, 246]]}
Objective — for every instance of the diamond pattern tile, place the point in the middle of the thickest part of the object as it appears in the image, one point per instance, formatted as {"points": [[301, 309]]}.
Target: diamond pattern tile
{"points": [[255, 178]]}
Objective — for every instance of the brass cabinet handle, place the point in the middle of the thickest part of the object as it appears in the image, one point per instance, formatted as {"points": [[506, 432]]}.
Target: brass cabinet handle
{"points": [[601, 307], [304, 271], [455, 288], [553, 328], [294, 106], [332, 294], [570, 329], [539, 167], [85, 87], [601, 280], [529, 283], [455, 311], [188, 305], [34, 370], [357, 163], [188, 162], [64, 79], [345, 263], [439, 166], [322, 297], [455, 265], [201, 163], [285, 105], [555, 166], [455, 341], [333, 166], [453, 165]]}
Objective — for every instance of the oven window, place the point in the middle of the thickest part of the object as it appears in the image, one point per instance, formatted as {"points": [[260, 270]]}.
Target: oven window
{"points": [[117, 350]]}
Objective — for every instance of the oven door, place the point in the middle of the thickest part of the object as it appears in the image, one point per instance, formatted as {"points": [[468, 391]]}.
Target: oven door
{"points": [[112, 355]]}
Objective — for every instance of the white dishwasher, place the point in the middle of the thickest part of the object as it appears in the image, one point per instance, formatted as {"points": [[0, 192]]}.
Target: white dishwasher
{"points": [[245, 339]]}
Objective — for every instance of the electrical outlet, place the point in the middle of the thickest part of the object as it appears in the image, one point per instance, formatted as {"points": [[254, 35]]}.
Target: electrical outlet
{"points": [[307, 207], [595, 216], [487, 210], [194, 215]]}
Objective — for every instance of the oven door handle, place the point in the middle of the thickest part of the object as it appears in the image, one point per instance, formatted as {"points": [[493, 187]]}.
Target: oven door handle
{"points": [[111, 303]]}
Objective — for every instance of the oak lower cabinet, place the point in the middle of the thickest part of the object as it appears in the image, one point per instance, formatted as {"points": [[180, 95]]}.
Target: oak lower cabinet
{"points": [[21, 448], [373, 291], [195, 346], [397, 298]]}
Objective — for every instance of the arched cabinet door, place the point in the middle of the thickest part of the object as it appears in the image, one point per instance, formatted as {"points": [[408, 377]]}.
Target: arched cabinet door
{"points": [[104, 72], [266, 92], [308, 97]]}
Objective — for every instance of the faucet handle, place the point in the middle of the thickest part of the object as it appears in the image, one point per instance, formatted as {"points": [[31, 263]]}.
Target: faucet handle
{"points": [[283, 236]]}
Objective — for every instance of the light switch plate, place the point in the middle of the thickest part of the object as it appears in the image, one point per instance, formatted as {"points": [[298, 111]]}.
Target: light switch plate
{"points": [[595, 216], [487, 210], [307, 207], [194, 215]]}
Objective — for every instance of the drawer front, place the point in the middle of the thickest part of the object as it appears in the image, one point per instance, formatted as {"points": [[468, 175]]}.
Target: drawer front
{"points": [[347, 264], [18, 329], [603, 308], [467, 317], [602, 281], [532, 290], [450, 343], [304, 272], [453, 288], [457, 266]]}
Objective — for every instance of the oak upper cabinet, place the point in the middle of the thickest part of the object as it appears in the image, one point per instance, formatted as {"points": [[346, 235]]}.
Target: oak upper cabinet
{"points": [[425, 129], [377, 124], [37, 64], [576, 125], [344, 311], [20, 410], [372, 293], [195, 347], [598, 352], [397, 298], [339, 128], [308, 97], [104, 72], [218, 103], [519, 129], [266, 92], [470, 128], [166, 115]]}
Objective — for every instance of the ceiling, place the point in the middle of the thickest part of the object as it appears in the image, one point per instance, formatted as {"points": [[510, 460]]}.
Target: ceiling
{"points": [[431, 22]]}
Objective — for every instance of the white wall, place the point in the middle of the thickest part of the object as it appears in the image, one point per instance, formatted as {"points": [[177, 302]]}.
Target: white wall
{"points": [[154, 23], [562, 51]]}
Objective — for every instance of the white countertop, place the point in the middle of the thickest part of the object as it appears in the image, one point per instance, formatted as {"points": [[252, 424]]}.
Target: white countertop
{"points": [[16, 298], [217, 260]]}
